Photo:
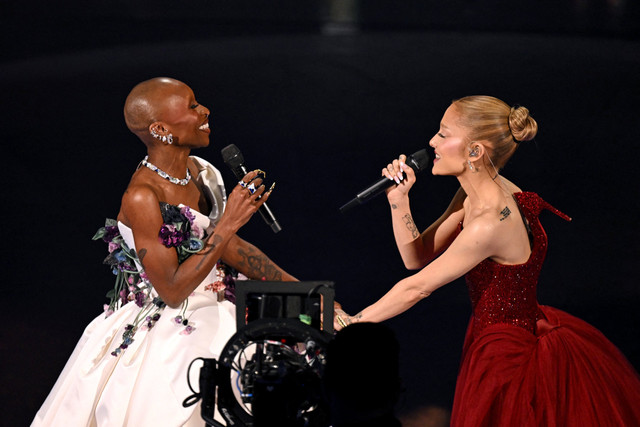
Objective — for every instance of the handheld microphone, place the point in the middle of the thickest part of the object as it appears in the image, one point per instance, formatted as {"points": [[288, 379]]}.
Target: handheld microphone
{"points": [[234, 159], [417, 161]]}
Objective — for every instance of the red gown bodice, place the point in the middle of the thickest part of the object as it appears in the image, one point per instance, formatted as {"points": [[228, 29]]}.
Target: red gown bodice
{"points": [[524, 364], [507, 293]]}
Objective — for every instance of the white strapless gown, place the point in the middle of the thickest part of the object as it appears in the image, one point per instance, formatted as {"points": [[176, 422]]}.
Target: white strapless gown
{"points": [[146, 384]]}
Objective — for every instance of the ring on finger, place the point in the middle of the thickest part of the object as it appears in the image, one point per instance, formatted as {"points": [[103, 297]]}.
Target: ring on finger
{"points": [[242, 184], [251, 187], [341, 321]]}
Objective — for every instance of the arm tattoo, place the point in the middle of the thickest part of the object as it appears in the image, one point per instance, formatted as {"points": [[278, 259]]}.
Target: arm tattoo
{"points": [[355, 318], [394, 206], [411, 226], [210, 247], [258, 266], [141, 254]]}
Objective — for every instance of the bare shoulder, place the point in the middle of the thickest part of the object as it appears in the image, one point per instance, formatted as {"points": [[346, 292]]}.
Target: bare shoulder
{"points": [[140, 194], [484, 225], [139, 198], [485, 229], [478, 240]]}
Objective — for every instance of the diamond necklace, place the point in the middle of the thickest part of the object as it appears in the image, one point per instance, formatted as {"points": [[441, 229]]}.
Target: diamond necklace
{"points": [[165, 175]]}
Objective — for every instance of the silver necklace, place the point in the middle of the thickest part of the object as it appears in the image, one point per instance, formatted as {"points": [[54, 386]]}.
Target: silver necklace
{"points": [[165, 175]]}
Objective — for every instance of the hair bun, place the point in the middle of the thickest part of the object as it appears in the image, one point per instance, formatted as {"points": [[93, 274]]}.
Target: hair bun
{"points": [[523, 126]]}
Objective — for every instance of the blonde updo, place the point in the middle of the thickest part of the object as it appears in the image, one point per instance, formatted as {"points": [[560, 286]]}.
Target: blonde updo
{"points": [[489, 119]]}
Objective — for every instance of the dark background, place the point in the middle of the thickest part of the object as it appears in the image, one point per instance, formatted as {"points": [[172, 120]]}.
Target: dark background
{"points": [[321, 95]]}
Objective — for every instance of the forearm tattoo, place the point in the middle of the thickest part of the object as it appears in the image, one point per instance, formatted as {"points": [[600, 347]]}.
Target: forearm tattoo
{"points": [[411, 226], [258, 266], [210, 247], [355, 318]]}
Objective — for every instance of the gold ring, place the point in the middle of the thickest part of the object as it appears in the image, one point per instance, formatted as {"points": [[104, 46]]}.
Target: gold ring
{"points": [[341, 321]]}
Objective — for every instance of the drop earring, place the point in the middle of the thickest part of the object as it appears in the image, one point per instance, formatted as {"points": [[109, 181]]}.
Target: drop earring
{"points": [[473, 153]]}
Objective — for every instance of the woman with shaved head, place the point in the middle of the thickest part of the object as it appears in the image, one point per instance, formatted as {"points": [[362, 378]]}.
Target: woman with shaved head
{"points": [[175, 252]]}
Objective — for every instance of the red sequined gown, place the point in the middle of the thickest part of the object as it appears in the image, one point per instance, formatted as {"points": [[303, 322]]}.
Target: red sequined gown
{"points": [[529, 365]]}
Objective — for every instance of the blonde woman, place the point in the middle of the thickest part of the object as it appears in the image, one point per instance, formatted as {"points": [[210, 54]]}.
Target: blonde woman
{"points": [[523, 364]]}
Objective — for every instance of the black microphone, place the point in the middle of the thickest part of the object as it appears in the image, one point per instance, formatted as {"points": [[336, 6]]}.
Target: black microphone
{"points": [[417, 161], [233, 158]]}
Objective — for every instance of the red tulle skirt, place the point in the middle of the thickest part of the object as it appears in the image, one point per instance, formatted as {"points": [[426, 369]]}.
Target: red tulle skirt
{"points": [[568, 374]]}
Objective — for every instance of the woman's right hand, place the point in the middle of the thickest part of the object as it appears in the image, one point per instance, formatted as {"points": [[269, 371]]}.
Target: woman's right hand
{"points": [[245, 199], [340, 319], [404, 182]]}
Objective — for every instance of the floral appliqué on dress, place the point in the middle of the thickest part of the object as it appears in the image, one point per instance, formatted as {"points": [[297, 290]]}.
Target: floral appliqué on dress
{"points": [[178, 231]]}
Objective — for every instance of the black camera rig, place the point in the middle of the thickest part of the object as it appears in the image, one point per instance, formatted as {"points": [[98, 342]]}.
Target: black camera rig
{"points": [[270, 371]]}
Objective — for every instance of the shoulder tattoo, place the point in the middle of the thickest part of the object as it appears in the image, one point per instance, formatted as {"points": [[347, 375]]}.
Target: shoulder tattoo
{"points": [[504, 213]]}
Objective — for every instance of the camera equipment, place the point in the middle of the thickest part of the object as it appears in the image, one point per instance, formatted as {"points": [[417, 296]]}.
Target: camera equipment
{"points": [[270, 371]]}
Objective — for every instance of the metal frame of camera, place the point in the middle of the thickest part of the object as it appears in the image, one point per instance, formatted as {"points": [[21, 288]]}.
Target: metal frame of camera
{"points": [[283, 323]]}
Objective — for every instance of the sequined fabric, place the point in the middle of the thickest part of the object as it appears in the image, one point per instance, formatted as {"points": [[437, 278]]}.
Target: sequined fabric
{"points": [[560, 371], [506, 294]]}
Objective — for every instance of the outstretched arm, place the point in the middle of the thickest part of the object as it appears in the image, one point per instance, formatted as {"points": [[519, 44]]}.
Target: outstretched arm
{"points": [[474, 244]]}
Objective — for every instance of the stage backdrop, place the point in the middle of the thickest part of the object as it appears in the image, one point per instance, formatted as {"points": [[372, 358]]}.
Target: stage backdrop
{"points": [[322, 111]]}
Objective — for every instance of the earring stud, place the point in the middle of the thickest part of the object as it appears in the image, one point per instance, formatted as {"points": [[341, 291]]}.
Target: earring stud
{"points": [[167, 139]]}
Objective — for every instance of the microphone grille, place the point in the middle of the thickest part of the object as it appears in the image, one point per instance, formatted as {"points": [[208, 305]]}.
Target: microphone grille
{"points": [[232, 156], [419, 160]]}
